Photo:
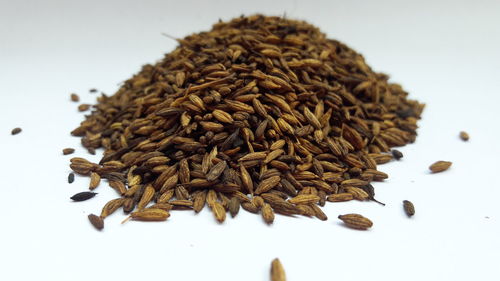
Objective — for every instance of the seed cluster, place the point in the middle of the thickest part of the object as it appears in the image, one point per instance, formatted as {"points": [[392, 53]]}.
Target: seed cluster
{"points": [[262, 113]]}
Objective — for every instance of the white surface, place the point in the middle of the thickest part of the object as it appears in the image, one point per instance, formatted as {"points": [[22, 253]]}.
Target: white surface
{"points": [[443, 53]]}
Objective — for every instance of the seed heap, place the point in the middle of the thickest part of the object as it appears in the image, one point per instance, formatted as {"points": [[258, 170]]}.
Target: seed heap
{"points": [[260, 112]]}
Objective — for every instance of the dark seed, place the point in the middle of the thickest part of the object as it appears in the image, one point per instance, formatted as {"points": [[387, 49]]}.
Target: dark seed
{"points": [[82, 196], [16, 131], [71, 177], [397, 154], [93, 90]]}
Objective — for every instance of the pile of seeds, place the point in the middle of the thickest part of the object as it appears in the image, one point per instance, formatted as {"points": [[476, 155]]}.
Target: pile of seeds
{"points": [[262, 113]]}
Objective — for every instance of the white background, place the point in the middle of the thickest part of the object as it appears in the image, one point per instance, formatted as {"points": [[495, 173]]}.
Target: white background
{"points": [[445, 53]]}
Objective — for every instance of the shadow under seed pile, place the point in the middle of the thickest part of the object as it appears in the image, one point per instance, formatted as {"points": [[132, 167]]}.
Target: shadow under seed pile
{"points": [[262, 113]]}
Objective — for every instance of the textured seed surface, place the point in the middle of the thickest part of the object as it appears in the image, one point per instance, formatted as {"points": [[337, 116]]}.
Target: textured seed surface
{"points": [[440, 166], [409, 208], [356, 221], [464, 136], [272, 117], [96, 221], [68, 151]]}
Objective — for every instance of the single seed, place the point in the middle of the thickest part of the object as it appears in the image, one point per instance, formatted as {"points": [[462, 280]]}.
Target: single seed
{"points": [[83, 107], [464, 136], [75, 98], [356, 221], [440, 166], [68, 151], [93, 90], [82, 196], [409, 208], [277, 271], [397, 154], [96, 221], [16, 131]]}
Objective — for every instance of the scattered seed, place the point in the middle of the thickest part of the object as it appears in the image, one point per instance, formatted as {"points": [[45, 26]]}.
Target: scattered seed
{"points": [[356, 221], [277, 271], [16, 131], [409, 208], [68, 151], [440, 166], [83, 107], [96, 221], [75, 98], [82, 196]]}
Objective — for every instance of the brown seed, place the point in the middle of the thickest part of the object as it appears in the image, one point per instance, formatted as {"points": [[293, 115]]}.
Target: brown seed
{"points": [[356, 221], [304, 199], [277, 271], [409, 208], [216, 171], [16, 131], [150, 214], [95, 179], [74, 98], [83, 107], [464, 136], [96, 221], [440, 166], [147, 196], [219, 212], [67, 151], [267, 213], [71, 177], [234, 206]]}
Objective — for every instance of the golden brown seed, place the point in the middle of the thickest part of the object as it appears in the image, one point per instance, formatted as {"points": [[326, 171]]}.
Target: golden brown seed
{"points": [[267, 184], [74, 98], [304, 199], [147, 196], [464, 136], [111, 207], [150, 214], [341, 197], [83, 107], [223, 116], [356, 221], [95, 179], [267, 213], [234, 206], [246, 179], [199, 201], [440, 166], [277, 271], [409, 208], [68, 151], [96, 221], [219, 212]]}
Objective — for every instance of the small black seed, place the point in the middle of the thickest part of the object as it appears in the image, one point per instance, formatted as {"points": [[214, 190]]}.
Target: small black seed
{"points": [[93, 90], [71, 177], [397, 154], [82, 196]]}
